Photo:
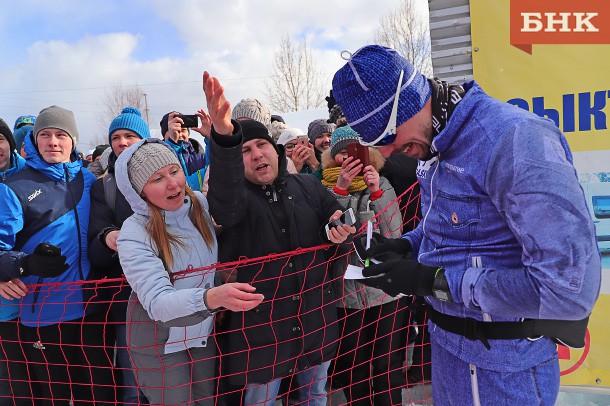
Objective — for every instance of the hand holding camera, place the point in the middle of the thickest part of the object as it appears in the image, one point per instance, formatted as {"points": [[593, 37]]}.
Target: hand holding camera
{"points": [[46, 261]]}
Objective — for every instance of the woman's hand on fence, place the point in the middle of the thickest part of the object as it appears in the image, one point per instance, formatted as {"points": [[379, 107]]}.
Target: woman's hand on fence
{"points": [[238, 297], [13, 289]]}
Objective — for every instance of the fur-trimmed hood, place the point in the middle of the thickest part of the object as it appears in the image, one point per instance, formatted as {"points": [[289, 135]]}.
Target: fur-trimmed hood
{"points": [[377, 160]]}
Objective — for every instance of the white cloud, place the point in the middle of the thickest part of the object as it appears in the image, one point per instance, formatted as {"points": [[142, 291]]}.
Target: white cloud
{"points": [[234, 40]]}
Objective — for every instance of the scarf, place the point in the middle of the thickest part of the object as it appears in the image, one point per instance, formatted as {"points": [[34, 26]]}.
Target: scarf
{"points": [[331, 175], [445, 99]]}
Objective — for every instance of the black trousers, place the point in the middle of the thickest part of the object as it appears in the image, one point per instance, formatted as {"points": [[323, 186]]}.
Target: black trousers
{"points": [[17, 389], [72, 360], [369, 363]]}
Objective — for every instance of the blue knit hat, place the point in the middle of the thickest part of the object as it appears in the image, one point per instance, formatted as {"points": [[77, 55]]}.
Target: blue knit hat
{"points": [[340, 138], [129, 119], [366, 85], [23, 121]]}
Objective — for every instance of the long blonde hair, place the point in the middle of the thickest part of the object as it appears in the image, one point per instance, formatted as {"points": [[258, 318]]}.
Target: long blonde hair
{"points": [[163, 240]]}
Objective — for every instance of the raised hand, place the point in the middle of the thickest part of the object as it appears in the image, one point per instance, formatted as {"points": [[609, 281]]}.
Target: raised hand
{"points": [[219, 107]]}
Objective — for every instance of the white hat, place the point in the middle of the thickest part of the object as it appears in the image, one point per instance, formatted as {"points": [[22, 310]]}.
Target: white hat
{"points": [[290, 134]]}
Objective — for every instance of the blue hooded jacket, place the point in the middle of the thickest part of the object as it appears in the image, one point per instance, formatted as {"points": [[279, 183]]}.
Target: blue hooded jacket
{"points": [[47, 203], [504, 214], [9, 309]]}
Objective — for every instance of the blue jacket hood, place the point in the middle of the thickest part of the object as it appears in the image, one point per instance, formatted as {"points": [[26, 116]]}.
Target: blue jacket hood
{"points": [[137, 203], [52, 171], [17, 164]]}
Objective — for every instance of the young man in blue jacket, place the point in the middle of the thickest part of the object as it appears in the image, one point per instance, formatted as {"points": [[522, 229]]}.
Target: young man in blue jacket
{"points": [[43, 242], [505, 236]]}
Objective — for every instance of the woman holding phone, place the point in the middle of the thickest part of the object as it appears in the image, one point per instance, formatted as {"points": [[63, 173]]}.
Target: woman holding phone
{"points": [[299, 150], [161, 248], [373, 338]]}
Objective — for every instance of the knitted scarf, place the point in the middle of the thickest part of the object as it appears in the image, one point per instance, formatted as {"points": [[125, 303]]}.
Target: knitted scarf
{"points": [[331, 175]]}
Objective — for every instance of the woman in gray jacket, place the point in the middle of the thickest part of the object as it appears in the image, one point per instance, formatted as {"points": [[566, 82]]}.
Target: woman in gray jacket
{"points": [[166, 249]]}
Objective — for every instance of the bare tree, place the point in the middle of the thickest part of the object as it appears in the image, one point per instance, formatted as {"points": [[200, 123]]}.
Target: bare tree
{"points": [[296, 82], [406, 30], [115, 99]]}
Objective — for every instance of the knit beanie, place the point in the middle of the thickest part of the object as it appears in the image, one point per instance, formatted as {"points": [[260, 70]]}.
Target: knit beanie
{"points": [[288, 135], [23, 121], [98, 151], [276, 128], [56, 117], [252, 129], [366, 85], [148, 159], [129, 119], [163, 123], [340, 138], [317, 127], [253, 109], [8, 134]]}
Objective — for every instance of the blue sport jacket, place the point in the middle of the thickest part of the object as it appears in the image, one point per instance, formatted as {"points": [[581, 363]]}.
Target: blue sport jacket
{"points": [[47, 203]]}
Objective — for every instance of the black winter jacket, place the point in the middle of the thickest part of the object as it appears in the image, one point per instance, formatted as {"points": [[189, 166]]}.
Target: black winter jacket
{"points": [[295, 327], [104, 261]]}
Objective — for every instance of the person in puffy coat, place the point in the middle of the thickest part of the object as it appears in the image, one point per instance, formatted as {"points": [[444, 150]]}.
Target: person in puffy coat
{"points": [[162, 247], [373, 340]]}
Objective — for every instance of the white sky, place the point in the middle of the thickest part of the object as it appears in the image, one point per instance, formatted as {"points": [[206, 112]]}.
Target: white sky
{"points": [[68, 52]]}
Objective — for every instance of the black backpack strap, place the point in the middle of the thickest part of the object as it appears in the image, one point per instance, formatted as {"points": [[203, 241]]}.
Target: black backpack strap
{"points": [[110, 187], [566, 332]]}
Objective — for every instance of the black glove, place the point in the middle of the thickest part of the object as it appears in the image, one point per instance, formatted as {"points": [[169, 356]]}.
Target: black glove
{"points": [[46, 261], [387, 249], [400, 276]]}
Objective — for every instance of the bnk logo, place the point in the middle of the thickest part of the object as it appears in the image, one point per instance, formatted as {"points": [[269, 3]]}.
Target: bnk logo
{"points": [[559, 22]]}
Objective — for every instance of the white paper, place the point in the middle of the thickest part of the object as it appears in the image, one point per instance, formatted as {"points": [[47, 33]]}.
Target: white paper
{"points": [[353, 272]]}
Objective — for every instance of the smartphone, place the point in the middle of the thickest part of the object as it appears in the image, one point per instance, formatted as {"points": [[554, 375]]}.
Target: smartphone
{"points": [[359, 151], [303, 140], [348, 218], [190, 120]]}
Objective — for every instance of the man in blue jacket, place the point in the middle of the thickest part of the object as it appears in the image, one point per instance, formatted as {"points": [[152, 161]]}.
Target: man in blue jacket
{"points": [[43, 242], [506, 235], [16, 373]]}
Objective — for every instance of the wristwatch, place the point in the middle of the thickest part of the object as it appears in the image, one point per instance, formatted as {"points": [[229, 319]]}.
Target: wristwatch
{"points": [[440, 287]]}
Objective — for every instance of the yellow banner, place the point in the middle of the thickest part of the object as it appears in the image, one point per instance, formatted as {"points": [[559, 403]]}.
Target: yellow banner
{"points": [[570, 84]]}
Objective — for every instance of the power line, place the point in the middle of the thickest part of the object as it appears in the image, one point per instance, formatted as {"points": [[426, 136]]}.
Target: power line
{"points": [[78, 89]]}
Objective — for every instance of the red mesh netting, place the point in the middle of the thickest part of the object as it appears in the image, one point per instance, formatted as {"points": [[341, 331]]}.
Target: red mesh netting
{"points": [[378, 355]]}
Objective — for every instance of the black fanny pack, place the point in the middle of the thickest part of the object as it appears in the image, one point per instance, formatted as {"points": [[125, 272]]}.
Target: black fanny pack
{"points": [[570, 333]]}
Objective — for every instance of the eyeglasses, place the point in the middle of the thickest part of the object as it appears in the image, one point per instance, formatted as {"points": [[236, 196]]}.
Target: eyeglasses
{"points": [[289, 147]]}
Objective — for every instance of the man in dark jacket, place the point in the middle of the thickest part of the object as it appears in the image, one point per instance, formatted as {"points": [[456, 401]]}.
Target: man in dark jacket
{"points": [[109, 209], [265, 210]]}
